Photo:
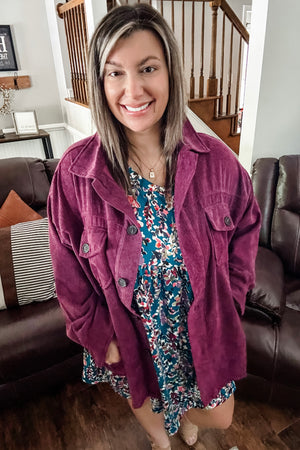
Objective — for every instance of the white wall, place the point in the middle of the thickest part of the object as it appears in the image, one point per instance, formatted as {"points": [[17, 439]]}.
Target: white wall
{"points": [[77, 118], [272, 106], [237, 6], [29, 25]]}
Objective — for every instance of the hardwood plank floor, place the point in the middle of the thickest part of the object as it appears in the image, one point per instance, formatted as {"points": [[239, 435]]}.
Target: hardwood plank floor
{"points": [[79, 417]]}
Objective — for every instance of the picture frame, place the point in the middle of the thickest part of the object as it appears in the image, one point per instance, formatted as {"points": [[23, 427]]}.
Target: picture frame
{"points": [[25, 122], [8, 60]]}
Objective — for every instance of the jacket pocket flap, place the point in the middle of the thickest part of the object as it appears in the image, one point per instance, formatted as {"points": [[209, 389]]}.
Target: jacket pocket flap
{"points": [[219, 217]]}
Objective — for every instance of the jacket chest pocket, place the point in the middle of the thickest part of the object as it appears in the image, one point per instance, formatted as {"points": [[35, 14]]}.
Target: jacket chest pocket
{"points": [[220, 223], [93, 247]]}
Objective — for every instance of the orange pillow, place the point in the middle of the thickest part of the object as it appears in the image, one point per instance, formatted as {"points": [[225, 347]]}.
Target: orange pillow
{"points": [[14, 211]]}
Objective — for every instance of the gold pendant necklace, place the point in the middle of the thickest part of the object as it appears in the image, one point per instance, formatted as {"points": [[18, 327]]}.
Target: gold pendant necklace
{"points": [[151, 173]]}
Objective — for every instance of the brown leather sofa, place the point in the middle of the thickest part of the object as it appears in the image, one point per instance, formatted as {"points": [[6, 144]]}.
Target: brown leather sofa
{"points": [[35, 354], [272, 317]]}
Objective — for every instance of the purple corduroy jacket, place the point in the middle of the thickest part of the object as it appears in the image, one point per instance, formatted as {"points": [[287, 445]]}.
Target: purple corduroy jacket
{"points": [[95, 244]]}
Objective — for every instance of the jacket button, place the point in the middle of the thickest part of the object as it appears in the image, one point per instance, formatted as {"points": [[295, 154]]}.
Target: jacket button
{"points": [[132, 229], [227, 221], [85, 248], [122, 282]]}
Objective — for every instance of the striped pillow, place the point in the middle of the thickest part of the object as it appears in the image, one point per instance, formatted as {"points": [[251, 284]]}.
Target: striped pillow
{"points": [[26, 272]]}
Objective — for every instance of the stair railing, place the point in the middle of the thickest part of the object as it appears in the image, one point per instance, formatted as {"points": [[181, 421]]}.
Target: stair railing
{"points": [[73, 14], [217, 59]]}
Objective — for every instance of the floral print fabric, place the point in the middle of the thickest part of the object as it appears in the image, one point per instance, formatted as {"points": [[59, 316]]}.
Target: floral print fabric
{"points": [[162, 298]]}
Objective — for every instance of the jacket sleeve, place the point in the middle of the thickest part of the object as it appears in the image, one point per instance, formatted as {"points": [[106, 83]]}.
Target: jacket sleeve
{"points": [[82, 301], [244, 242]]}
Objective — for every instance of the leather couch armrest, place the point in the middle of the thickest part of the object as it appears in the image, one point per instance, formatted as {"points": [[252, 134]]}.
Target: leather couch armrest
{"points": [[264, 180], [50, 166], [268, 294]]}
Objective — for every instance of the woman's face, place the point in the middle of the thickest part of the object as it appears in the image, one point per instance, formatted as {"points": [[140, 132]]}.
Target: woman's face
{"points": [[136, 82]]}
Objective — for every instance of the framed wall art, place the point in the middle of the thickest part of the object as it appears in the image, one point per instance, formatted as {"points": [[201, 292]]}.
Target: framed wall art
{"points": [[25, 122], [7, 52]]}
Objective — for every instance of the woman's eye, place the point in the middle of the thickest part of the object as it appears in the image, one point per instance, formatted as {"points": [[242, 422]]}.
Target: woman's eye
{"points": [[114, 74], [149, 69]]}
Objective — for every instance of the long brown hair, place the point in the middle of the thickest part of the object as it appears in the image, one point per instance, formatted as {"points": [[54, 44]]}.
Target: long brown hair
{"points": [[119, 23]]}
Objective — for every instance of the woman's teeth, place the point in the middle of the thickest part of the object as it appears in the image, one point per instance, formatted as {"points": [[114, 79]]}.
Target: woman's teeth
{"points": [[140, 108]]}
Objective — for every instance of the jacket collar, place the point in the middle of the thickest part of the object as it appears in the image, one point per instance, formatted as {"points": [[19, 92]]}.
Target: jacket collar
{"points": [[193, 140], [91, 163]]}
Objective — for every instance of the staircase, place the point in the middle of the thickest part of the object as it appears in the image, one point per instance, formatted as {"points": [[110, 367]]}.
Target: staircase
{"points": [[212, 40], [220, 106]]}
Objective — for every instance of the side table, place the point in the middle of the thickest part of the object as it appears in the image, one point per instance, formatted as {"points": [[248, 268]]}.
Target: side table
{"points": [[42, 134]]}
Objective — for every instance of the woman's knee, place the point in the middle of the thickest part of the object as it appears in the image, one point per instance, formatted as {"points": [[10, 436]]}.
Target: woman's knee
{"points": [[222, 415], [219, 417]]}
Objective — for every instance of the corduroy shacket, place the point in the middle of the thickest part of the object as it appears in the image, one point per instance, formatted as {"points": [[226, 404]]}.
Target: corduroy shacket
{"points": [[96, 244]]}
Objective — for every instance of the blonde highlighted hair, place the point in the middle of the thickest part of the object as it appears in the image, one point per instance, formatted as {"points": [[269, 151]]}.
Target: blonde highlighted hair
{"points": [[119, 23]]}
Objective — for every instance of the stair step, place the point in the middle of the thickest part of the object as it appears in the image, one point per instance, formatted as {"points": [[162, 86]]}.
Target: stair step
{"points": [[225, 116], [203, 99], [221, 124]]}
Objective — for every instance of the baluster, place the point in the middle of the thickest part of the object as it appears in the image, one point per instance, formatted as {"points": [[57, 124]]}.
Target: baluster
{"points": [[65, 17], [182, 31], [173, 26], [68, 24], [238, 81], [228, 105], [212, 82], [201, 78], [222, 67], [76, 53], [79, 53], [192, 79], [83, 40], [72, 21], [162, 7], [110, 4]]}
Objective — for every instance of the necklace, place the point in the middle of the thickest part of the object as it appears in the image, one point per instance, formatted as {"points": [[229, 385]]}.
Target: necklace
{"points": [[151, 169]]}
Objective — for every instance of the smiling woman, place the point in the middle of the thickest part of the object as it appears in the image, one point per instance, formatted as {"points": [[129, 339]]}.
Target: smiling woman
{"points": [[139, 215]]}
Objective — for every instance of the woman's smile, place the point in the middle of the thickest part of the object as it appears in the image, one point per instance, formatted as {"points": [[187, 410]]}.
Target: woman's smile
{"points": [[137, 108]]}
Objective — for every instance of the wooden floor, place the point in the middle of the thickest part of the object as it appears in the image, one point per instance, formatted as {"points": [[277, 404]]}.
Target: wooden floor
{"points": [[95, 418]]}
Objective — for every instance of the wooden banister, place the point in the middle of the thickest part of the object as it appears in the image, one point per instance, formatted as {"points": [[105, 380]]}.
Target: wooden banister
{"points": [[222, 66], [192, 78], [73, 14], [201, 76], [64, 7], [212, 82], [235, 20]]}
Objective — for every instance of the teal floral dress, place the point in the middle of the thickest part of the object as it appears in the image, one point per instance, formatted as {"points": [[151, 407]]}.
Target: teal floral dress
{"points": [[162, 298]]}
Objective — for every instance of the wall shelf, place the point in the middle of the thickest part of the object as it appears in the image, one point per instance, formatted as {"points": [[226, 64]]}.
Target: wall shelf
{"points": [[15, 82]]}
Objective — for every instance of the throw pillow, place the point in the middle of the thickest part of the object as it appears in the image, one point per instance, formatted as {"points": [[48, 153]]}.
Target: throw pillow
{"points": [[14, 210], [26, 272]]}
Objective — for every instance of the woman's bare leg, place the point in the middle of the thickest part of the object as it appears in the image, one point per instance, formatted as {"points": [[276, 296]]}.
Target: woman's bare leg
{"points": [[152, 423], [218, 417]]}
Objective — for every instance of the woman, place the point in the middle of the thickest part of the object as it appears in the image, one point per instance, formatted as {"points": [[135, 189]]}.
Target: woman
{"points": [[153, 233]]}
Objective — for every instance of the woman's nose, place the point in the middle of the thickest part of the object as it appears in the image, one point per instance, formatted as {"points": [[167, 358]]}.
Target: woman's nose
{"points": [[134, 86]]}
